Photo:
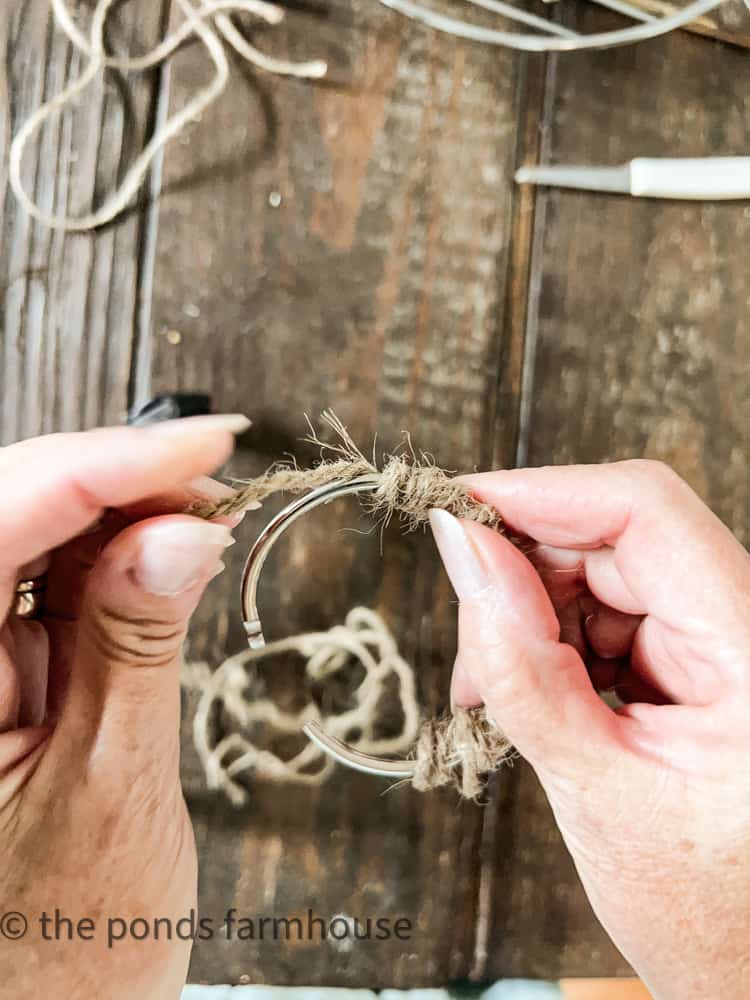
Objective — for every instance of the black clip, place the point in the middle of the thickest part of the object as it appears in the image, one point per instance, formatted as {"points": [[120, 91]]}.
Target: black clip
{"points": [[170, 406]]}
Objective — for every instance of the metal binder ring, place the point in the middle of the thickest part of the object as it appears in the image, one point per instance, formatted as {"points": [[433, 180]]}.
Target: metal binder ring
{"points": [[341, 752]]}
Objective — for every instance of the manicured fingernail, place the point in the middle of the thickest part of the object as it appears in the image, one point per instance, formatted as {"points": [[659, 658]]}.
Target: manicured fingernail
{"points": [[463, 692], [461, 560], [234, 422], [209, 489], [174, 556], [231, 520]]}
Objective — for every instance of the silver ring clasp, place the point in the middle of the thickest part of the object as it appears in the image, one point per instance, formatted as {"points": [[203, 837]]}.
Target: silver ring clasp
{"points": [[253, 568]]}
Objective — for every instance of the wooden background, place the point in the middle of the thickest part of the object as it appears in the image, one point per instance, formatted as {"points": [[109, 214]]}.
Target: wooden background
{"points": [[360, 244]]}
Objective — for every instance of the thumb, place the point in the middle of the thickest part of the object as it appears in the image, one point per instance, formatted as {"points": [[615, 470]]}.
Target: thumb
{"points": [[124, 695], [510, 658]]}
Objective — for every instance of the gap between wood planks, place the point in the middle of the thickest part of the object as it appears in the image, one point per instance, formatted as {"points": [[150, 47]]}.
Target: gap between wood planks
{"points": [[139, 385], [509, 431]]}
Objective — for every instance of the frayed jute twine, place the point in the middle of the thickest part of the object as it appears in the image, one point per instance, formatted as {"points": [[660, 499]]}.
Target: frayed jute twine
{"points": [[409, 485], [211, 24], [457, 750]]}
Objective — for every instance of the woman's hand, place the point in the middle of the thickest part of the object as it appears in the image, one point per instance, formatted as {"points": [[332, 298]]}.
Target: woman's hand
{"points": [[630, 584], [92, 818]]}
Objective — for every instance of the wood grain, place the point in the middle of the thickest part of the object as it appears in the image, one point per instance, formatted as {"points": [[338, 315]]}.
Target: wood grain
{"points": [[360, 244], [728, 23], [343, 245], [642, 319], [68, 302]]}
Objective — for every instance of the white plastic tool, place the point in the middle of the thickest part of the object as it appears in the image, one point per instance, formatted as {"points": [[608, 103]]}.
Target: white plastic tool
{"points": [[716, 178]]}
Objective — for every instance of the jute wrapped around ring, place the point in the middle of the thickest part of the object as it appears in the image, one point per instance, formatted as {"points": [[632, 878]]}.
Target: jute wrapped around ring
{"points": [[459, 749]]}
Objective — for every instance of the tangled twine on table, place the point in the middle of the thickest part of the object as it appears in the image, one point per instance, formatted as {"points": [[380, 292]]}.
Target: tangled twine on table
{"points": [[364, 640], [457, 750], [209, 22]]}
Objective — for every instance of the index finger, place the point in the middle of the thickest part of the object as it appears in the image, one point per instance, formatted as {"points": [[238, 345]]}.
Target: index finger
{"points": [[54, 487], [673, 554]]}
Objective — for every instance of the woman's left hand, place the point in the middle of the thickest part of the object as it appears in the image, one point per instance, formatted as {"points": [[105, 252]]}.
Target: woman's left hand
{"points": [[94, 826]]}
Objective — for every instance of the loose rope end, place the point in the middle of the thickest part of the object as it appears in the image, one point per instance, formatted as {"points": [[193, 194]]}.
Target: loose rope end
{"points": [[459, 750]]}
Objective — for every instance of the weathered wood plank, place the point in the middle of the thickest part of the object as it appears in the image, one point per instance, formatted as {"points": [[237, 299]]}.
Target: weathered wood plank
{"points": [[650, 358], [349, 245], [68, 302], [728, 23], [638, 324], [344, 245]]}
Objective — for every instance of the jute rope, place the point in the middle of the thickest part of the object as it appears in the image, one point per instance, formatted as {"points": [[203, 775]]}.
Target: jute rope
{"points": [[211, 24], [409, 485], [457, 750]]}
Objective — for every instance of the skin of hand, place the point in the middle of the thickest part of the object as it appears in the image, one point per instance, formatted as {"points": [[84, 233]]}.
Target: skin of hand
{"points": [[624, 580], [92, 816]]}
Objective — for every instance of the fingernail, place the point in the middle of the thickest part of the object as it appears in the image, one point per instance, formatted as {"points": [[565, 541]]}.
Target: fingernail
{"points": [[210, 489], [174, 557], [232, 520], [236, 423], [461, 560], [463, 691]]}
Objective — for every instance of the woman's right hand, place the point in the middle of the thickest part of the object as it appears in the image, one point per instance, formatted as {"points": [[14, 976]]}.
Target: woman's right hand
{"points": [[632, 584]]}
